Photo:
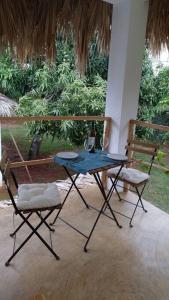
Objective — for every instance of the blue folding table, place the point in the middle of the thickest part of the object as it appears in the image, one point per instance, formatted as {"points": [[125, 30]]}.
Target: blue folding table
{"points": [[91, 163]]}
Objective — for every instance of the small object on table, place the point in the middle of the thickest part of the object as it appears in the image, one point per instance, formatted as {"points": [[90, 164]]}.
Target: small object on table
{"points": [[104, 143], [67, 155], [117, 156], [90, 142]]}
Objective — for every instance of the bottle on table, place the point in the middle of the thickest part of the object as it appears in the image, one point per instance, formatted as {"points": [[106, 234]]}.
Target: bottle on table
{"points": [[92, 139]]}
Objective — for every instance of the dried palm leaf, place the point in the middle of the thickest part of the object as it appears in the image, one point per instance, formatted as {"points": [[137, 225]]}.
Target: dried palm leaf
{"points": [[158, 25], [30, 27], [7, 106]]}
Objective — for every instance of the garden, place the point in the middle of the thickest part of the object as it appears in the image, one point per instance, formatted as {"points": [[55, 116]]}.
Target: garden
{"points": [[57, 89]]}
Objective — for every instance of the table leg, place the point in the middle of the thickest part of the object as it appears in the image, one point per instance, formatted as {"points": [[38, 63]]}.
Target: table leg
{"points": [[113, 187], [74, 184], [58, 213], [101, 187]]}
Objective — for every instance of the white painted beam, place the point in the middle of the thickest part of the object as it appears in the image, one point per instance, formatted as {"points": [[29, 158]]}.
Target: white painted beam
{"points": [[111, 1], [117, 1], [0, 155], [125, 63]]}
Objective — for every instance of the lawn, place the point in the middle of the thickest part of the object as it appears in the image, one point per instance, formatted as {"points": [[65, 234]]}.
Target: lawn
{"points": [[156, 192], [49, 145], [157, 189]]}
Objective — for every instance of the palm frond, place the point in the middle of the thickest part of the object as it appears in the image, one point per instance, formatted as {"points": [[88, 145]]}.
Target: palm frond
{"points": [[7, 106]]}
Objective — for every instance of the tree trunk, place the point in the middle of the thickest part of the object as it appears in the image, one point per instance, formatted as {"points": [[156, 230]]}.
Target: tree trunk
{"points": [[35, 147]]}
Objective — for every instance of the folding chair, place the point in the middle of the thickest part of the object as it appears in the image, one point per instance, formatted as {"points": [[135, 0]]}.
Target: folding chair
{"points": [[133, 177], [32, 198]]}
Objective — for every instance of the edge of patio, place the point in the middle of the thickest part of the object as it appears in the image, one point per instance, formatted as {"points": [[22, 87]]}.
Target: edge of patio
{"points": [[121, 263]]}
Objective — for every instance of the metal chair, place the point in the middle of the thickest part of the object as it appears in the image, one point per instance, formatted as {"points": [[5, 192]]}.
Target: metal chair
{"points": [[133, 177], [31, 199]]}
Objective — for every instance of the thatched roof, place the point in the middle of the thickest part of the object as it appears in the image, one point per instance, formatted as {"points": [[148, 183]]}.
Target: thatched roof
{"points": [[7, 106], [30, 27], [158, 25]]}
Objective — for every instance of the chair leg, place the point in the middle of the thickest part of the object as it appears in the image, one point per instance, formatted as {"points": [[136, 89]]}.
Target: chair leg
{"points": [[16, 230], [130, 223], [139, 200], [120, 199], [140, 195], [58, 213], [47, 225], [34, 231], [113, 187], [50, 229]]}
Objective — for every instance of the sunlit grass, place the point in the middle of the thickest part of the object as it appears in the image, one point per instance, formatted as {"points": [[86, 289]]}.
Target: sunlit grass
{"points": [[49, 145]]}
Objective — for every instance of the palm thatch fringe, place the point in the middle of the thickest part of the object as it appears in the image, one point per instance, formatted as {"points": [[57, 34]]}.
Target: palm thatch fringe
{"points": [[7, 106], [30, 28], [158, 25]]}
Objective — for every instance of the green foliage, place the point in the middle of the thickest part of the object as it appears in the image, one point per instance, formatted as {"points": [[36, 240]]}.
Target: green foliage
{"points": [[32, 105], [57, 89], [12, 77], [163, 105], [147, 97], [148, 89], [160, 156], [79, 99], [162, 83], [98, 64], [68, 95], [153, 100]]}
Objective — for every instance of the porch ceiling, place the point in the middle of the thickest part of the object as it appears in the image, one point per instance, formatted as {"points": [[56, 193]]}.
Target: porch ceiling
{"points": [[30, 27], [121, 263]]}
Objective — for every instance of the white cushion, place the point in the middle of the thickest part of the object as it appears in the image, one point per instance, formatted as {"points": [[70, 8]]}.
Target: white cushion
{"points": [[131, 175], [37, 195]]}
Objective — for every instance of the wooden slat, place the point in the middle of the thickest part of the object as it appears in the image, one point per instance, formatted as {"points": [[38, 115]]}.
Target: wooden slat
{"points": [[149, 125], [140, 150], [31, 162], [156, 166], [20, 155], [106, 134], [53, 118], [3, 159], [144, 144], [131, 134]]}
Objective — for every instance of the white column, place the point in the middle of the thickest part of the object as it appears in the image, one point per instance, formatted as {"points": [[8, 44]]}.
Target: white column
{"points": [[125, 63], [0, 155]]}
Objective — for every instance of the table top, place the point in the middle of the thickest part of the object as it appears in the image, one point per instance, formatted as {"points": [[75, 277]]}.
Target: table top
{"points": [[88, 162]]}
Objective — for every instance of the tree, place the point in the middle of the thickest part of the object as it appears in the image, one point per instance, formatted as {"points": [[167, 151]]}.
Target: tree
{"points": [[148, 91], [147, 96], [58, 89]]}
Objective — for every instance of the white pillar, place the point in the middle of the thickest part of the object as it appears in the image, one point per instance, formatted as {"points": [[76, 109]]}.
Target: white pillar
{"points": [[0, 155], [125, 62]]}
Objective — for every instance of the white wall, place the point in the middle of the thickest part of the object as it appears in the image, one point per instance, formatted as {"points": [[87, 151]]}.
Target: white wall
{"points": [[125, 63]]}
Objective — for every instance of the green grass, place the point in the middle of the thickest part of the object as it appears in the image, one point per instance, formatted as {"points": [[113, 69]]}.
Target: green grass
{"points": [[48, 146], [157, 189]]}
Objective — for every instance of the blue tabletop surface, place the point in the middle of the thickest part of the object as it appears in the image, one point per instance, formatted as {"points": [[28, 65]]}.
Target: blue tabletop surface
{"points": [[88, 162]]}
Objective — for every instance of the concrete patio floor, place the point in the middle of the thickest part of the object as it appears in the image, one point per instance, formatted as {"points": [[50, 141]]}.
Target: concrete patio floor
{"points": [[121, 264]]}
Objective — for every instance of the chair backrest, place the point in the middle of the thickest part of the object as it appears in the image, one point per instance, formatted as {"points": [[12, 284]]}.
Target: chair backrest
{"points": [[3, 161], [135, 145], [6, 175]]}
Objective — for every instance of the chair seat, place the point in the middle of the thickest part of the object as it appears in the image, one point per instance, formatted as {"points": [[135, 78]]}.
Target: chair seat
{"points": [[130, 175], [37, 195]]}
